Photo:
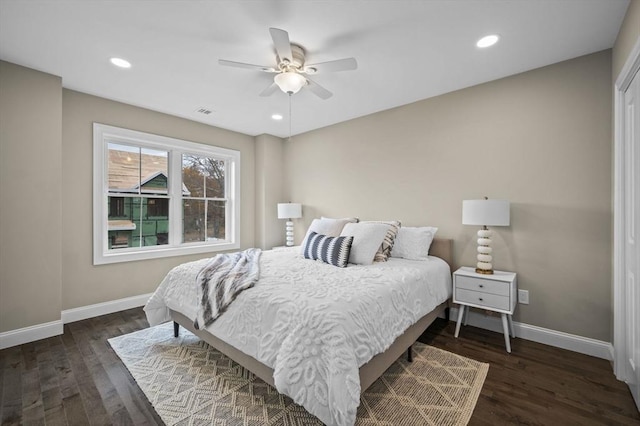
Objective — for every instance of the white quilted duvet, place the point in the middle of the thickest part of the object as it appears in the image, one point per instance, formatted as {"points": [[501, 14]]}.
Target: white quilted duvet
{"points": [[313, 323]]}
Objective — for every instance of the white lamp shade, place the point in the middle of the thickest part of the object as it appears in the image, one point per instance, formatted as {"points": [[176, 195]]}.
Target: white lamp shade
{"points": [[289, 210], [485, 212], [290, 81]]}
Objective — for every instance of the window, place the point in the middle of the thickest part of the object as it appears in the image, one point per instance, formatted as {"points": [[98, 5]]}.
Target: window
{"points": [[158, 207], [116, 207], [156, 196]]}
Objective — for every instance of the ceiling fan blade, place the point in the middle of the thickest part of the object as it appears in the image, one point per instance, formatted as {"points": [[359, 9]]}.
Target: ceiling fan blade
{"points": [[318, 90], [243, 65], [282, 43], [346, 64], [269, 90]]}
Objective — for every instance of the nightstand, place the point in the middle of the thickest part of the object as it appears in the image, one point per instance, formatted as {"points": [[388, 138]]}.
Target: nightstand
{"points": [[496, 292]]}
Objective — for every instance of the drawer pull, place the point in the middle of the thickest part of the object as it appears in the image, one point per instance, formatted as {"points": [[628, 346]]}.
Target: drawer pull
{"points": [[481, 286], [480, 298]]}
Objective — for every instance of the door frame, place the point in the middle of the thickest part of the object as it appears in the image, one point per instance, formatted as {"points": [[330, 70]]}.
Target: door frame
{"points": [[631, 67]]}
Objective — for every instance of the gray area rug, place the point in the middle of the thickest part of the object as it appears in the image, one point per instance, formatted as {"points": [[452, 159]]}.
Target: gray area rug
{"points": [[190, 383]]}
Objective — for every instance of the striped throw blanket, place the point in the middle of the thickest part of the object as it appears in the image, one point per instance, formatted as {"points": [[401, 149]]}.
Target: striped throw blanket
{"points": [[221, 280]]}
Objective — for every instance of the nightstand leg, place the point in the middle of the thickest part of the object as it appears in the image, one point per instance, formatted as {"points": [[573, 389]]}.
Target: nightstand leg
{"points": [[505, 328], [466, 314], [513, 333], [460, 314]]}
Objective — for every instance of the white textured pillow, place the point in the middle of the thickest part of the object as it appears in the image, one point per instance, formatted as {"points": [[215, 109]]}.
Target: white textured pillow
{"points": [[325, 226], [413, 243], [384, 251], [367, 238], [350, 219]]}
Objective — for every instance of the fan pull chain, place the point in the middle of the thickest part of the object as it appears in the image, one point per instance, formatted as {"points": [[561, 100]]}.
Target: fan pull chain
{"points": [[289, 116]]}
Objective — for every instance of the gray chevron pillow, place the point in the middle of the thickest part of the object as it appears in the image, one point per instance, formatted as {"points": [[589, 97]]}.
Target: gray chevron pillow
{"points": [[332, 250]]}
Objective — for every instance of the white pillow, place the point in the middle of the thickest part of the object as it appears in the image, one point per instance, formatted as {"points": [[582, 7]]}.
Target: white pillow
{"points": [[384, 251], [325, 226], [367, 238], [350, 219], [413, 243]]}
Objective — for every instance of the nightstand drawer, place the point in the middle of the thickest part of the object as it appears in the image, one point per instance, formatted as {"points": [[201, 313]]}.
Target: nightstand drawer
{"points": [[482, 299], [499, 288]]}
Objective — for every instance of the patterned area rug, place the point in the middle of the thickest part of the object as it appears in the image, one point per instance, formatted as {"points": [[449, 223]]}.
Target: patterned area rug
{"points": [[188, 382]]}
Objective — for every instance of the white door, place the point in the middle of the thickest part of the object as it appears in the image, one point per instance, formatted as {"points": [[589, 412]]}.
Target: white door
{"points": [[632, 236]]}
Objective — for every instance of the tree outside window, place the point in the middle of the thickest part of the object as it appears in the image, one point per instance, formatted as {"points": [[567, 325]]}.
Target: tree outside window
{"points": [[204, 204]]}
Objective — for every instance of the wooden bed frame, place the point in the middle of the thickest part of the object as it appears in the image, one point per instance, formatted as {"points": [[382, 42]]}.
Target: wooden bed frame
{"points": [[369, 372]]}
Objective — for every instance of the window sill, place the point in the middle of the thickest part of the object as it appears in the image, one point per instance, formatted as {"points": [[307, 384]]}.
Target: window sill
{"points": [[120, 255]]}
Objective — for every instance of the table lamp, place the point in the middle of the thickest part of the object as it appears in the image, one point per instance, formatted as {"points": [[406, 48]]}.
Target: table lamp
{"points": [[485, 213], [289, 211]]}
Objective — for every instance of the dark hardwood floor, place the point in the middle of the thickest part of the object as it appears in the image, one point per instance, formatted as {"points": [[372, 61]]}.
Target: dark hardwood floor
{"points": [[76, 379], [538, 384]]}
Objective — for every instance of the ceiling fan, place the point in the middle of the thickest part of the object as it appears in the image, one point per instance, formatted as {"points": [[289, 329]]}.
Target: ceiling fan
{"points": [[291, 71]]}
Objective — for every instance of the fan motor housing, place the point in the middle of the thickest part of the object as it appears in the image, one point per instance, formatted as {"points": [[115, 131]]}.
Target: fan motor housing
{"points": [[297, 61]]}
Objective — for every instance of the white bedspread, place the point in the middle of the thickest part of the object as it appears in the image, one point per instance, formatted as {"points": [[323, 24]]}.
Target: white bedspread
{"points": [[313, 323]]}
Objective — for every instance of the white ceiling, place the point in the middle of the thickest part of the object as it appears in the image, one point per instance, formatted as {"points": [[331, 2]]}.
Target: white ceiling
{"points": [[406, 50]]}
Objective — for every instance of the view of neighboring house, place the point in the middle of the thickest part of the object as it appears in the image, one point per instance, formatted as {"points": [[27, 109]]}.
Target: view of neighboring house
{"points": [[138, 213]]}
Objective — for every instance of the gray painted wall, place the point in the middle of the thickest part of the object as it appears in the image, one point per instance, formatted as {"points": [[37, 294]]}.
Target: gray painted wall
{"points": [[541, 139], [269, 191], [30, 201], [628, 36]]}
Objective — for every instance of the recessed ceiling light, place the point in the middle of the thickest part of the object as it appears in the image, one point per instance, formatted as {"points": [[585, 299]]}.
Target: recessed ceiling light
{"points": [[119, 62], [276, 117], [487, 41]]}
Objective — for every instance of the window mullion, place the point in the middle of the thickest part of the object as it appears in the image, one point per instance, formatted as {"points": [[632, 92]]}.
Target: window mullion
{"points": [[175, 203], [206, 206], [140, 201], [206, 217], [140, 221]]}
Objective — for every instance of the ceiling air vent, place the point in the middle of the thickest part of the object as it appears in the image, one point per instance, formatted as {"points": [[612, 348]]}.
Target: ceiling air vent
{"points": [[204, 111]]}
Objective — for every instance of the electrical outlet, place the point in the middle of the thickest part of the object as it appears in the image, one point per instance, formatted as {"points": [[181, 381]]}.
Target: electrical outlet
{"points": [[523, 297]]}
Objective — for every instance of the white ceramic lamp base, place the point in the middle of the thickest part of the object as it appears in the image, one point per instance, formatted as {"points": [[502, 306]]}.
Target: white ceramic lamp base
{"points": [[484, 265], [289, 233], [289, 211]]}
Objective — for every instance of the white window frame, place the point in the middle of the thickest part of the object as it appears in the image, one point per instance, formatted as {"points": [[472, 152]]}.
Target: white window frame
{"points": [[102, 135]]}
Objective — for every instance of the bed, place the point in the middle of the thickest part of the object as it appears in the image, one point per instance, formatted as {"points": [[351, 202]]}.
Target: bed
{"points": [[325, 350]]}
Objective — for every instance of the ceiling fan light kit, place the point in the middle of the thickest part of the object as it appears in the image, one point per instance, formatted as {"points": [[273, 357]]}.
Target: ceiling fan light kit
{"points": [[290, 69], [290, 81]]}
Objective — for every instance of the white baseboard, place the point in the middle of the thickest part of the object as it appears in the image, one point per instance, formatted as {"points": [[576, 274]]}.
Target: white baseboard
{"points": [[584, 345], [90, 311], [30, 334], [558, 339], [55, 328]]}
